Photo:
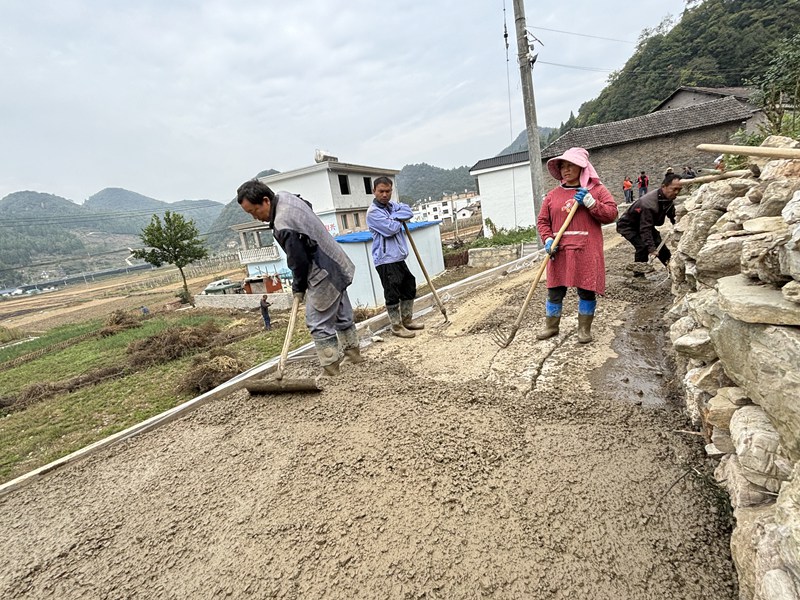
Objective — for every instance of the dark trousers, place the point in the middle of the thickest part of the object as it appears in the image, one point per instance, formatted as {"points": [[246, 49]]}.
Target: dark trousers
{"points": [[642, 254], [265, 315], [556, 294], [398, 282]]}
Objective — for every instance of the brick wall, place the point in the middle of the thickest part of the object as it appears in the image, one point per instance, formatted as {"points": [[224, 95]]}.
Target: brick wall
{"points": [[652, 156]]}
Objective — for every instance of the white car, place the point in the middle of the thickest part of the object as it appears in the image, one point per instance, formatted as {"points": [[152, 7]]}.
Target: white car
{"points": [[221, 285]]}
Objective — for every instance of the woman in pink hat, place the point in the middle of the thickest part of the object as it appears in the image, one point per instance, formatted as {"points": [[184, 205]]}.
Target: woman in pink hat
{"points": [[578, 259]]}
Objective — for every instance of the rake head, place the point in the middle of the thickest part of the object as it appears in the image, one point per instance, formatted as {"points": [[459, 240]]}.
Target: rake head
{"points": [[501, 338]]}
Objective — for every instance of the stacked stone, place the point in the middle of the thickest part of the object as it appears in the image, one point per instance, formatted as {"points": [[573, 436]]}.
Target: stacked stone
{"points": [[735, 329]]}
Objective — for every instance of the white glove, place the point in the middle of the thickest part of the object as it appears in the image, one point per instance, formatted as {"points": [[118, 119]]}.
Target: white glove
{"points": [[589, 201]]}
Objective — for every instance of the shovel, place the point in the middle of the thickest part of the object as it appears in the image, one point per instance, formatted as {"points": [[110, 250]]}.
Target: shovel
{"points": [[498, 336], [281, 385], [425, 272]]}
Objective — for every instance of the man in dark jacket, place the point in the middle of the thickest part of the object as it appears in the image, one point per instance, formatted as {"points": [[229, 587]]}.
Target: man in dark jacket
{"points": [[643, 181], [321, 270], [638, 224]]}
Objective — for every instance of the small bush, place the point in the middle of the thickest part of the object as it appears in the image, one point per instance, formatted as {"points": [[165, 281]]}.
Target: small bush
{"points": [[171, 344], [210, 370], [9, 335]]}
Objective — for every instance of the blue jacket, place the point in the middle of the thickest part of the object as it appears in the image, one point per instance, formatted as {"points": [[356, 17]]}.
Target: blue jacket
{"points": [[388, 236]]}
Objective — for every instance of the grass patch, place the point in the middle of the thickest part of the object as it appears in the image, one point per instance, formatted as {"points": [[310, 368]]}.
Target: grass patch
{"points": [[46, 340], [65, 423], [62, 423]]}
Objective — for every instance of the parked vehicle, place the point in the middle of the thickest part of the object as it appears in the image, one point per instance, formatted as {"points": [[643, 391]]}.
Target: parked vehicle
{"points": [[223, 286]]}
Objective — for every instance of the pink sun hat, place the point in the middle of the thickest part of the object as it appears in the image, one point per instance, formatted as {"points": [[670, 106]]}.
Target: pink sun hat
{"points": [[577, 156]]}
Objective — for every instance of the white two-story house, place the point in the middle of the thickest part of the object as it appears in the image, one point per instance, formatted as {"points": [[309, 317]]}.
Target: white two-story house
{"points": [[340, 194]]}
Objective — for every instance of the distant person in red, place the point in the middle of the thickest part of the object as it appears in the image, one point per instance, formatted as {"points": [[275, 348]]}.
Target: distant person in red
{"points": [[578, 260], [643, 181]]}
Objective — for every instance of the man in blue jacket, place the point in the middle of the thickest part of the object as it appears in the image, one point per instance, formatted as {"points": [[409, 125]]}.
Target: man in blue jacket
{"points": [[320, 268], [389, 251]]}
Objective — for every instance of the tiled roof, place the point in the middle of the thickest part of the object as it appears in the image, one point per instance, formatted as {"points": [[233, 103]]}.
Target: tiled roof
{"points": [[662, 122], [499, 161], [740, 93]]}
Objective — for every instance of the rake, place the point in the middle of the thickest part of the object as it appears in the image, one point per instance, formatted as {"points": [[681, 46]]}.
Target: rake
{"points": [[503, 339], [425, 272]]}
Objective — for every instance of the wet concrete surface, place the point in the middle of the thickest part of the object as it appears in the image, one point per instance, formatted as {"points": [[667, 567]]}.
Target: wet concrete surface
{"points": [[641, 374]]}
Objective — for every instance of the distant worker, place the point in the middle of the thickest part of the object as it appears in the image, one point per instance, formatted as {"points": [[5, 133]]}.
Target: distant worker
{"points": [[643, 181], [719, 163], [627, 189], [320, 268], [389, 252], [264, 305], [638, 224], [578, 260], [688, 172], [145, 311]]}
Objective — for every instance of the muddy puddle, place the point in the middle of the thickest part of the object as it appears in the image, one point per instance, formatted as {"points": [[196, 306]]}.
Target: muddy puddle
{"points": [[641, 374]]}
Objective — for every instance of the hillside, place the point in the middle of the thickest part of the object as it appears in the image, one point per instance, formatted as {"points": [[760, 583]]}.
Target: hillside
{"points": [[44, 233], [416, 182], [520, 144], [716, 43]]}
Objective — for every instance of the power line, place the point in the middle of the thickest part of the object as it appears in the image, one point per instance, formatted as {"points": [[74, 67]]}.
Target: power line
{"points": [[586, 35]]}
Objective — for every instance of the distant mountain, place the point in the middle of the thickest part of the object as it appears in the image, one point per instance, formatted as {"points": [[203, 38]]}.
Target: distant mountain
{"points": [[420, 181], [54, 234], [220, 233], [521, 143], [132, 212]]}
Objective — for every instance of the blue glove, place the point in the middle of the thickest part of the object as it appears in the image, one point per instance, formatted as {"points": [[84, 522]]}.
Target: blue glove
{"points": [[584, 198], [548, 247]]}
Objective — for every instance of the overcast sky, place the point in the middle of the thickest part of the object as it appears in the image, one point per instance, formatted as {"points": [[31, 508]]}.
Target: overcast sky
{"points": [[183, 99]]}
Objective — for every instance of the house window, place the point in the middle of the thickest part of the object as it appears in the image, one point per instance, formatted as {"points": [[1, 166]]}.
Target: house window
{"points": [[344, 219], [356, 220], [265, 238], [368, 185], [444, 203], [344, 185]]}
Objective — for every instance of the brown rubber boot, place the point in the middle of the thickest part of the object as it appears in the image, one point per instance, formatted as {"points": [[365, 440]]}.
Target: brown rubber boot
{"points": [[328, 354], [397, 322], [349, 341], [550, 328], [585, 328], [407, 313]]}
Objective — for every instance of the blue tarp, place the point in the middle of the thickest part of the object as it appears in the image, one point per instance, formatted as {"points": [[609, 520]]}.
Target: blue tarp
{"points": [[366, 236]]}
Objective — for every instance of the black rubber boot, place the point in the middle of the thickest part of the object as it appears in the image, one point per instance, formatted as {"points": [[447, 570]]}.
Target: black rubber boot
{"points": [[585, 328], [551, 325]]}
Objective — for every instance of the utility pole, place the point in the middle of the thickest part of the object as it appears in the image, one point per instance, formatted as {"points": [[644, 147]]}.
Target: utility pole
{"points": [[529, 103]]}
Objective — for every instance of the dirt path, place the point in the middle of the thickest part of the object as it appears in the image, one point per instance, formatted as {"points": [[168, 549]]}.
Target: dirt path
{"points": [[443, 467]]}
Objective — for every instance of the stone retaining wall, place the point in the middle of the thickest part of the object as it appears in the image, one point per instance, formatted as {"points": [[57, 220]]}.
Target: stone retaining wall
{"points": [[280, 301], [485, 258], [735, 329]]}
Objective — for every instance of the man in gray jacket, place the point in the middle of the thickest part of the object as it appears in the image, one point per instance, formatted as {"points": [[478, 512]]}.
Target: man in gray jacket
{"points": [[389, 252], [320, 268]]}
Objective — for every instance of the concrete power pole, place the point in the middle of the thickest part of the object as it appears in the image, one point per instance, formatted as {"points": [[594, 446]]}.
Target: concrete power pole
{"points": [[529, 102]]}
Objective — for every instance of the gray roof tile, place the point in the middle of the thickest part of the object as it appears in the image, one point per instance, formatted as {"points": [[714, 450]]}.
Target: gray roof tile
{"points": [[663, 122]]}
